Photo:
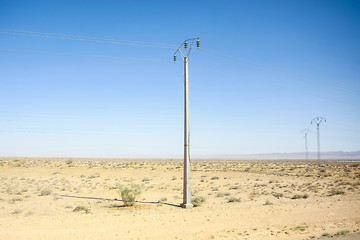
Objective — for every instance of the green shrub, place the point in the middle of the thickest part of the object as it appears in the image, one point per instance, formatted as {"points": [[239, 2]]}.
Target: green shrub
{"points": [[15, 200], [45, 192], [69, 162], [233, 199], [298, 196], [162, 200], [300, 228], [219, 194], [198, 201], [81, 209], [277, 195], [342, 233], [17, 211], [336, 192], [130, 194]]}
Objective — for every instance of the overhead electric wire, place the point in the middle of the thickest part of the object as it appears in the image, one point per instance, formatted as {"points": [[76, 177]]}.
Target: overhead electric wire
{"points": [[215, 54], [282, 72], [206, 52], [84, 38], [81, 55]]}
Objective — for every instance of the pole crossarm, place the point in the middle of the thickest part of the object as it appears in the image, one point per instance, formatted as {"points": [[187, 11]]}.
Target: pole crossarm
{"points": [[305, 131], [187, 48], [318, 120]]}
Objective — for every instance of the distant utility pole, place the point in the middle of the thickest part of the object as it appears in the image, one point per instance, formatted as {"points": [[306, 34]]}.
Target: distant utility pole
{"points": [[318, 120], [305, 132], [186, 190]]}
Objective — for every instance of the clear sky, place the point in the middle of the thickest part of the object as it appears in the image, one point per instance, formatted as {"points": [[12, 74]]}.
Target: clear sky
{"points": [[264, 71]]}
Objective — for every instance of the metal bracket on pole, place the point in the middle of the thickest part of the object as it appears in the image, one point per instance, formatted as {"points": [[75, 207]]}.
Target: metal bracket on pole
{"points": [[187, 48]]}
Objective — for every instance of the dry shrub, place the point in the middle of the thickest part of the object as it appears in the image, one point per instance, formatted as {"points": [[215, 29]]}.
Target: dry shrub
{"points": [[198, 201], [81, 209], [334, 192], [45, 192], [233, 199], [130, 194], [298, 196]]}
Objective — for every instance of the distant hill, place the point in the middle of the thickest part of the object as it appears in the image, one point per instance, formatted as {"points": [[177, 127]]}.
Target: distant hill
{"points": [[336, 155]]}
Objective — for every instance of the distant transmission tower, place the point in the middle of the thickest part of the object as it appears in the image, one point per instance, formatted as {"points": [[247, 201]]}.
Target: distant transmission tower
{"points": [[318, 120], [305, 132]]}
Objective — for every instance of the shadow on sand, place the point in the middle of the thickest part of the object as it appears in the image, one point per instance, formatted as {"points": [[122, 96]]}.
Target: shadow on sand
{"points": [[119, 200]]}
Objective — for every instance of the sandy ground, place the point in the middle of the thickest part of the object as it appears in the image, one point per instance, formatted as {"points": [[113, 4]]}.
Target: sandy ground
{"points": [[244, 199]]}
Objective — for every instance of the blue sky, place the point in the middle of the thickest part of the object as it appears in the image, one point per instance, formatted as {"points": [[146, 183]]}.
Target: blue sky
{"points": [[264, 71]]}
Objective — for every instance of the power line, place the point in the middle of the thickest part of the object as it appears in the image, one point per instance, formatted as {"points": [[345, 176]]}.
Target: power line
{"points": [[206, 52], [80, 55], [84, 38], [281, 72]]}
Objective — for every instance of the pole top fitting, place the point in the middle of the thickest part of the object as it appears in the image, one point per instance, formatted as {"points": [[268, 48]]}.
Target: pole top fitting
{"points": [[188, 43]]}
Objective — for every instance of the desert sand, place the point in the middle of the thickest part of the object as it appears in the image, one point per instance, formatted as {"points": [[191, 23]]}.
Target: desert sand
{"points": [[244, 199]]}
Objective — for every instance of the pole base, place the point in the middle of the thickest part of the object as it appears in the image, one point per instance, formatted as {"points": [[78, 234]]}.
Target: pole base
{"points": [[186, 205]]}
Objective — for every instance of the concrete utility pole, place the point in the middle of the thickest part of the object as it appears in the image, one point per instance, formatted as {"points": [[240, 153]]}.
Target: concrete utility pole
{"points": [[318, 120], [305, 132], [186, 189]]}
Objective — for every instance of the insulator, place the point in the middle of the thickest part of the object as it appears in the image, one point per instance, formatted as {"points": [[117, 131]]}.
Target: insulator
{"points": [[174, 58], [185, 45], [198, 43]]}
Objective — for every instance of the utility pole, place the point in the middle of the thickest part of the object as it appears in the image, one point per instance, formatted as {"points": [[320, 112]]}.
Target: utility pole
{"points": [[185, 55], [318, 120], [305, 132]]}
